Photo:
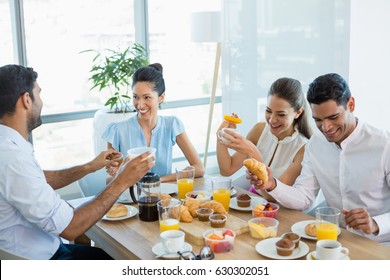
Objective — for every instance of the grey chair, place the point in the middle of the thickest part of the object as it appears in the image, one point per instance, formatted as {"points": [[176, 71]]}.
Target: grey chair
{"points": [[93, 183], [6, 255]]}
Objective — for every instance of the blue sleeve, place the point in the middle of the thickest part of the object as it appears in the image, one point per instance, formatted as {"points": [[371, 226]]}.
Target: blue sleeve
{"points": [[111, 135], [177, 128]]}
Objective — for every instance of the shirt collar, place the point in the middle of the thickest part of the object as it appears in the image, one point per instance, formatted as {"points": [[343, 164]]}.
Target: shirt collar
{"points": [[287, 139], [15, 137]]}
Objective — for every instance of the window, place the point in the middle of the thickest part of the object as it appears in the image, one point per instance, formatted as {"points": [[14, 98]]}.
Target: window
{"points": [[6, 44]]}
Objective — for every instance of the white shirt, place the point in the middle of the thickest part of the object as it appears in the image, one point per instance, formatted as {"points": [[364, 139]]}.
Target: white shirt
{"points": [[355, 175], [32, 214]]}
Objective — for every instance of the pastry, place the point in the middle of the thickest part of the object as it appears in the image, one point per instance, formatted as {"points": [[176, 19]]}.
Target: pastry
{"points": [[117, 210], [293, 237], [257, 168], [311, 229], [215, 205], [185, 215], [284, 247], [193, 205], [243, 200]]}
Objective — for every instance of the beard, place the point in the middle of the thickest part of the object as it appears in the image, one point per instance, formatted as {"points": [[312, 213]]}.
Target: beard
{"points": [[34, 124]]}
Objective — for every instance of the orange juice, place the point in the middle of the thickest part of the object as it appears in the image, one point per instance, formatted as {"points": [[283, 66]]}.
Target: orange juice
{"points": [[184, 186], [169, 224], [222, 196], [327, 231]]}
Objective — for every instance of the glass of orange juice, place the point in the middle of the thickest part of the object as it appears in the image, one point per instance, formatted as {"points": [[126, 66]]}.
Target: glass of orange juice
{"points": [[327, 221], [221, 190], [185, 180], [169, 214]]}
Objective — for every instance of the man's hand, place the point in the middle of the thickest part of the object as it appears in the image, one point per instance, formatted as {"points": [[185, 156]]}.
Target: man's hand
{"points": [[360, 219], [104, 160], [133, 170], [259, 184]]}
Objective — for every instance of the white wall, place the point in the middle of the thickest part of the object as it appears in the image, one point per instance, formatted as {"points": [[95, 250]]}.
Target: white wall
{"points": [[370, 60]]}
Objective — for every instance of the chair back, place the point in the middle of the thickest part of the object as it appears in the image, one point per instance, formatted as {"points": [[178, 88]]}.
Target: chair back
{"points": [[93, 183], [6, 255]]}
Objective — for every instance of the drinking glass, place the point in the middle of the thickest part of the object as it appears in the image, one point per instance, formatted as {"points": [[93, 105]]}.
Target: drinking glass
{"points": [[327, 222], [221, 190], [169, 214], [185, 180]]}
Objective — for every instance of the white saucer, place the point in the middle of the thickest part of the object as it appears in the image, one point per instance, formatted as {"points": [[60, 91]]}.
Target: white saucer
{"points": [[168, 188], [159, 250], [312, 256], [254, 200], [299, 228], [267, 248], [131, 212]]}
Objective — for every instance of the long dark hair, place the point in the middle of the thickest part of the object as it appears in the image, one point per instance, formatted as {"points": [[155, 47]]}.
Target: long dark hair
{"points": [[291, 90]]}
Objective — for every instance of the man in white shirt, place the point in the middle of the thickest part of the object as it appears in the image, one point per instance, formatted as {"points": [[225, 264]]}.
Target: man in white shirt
{"points": [[349, 161], [33, 217]]}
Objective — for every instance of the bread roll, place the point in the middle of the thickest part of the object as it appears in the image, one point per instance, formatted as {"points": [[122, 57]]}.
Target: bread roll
{"points": [[116, 211], [257, 168], [311, 229]]}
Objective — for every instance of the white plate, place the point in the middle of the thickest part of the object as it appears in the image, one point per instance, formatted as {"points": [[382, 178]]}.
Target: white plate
{"points": [[312, 256], [159, 250], [168, 188], [131, 212], [255, 200], [267, 248], [299, 228]]}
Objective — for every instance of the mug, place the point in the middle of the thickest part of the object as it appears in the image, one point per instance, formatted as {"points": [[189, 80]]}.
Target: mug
{"points": [[134, 152], [222, 133], [330, 250], [172, 240]]}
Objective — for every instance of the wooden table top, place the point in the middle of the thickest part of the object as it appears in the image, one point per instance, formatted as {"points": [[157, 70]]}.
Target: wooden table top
{"points": [[134, 239]]}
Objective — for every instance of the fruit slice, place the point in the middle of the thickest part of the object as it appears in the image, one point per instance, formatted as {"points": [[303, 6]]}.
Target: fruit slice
{"points": [[232, 119]]}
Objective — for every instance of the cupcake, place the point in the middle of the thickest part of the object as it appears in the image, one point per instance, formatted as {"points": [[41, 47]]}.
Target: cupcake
{"points": [[293, 237], [243, 200], [284, 247]]}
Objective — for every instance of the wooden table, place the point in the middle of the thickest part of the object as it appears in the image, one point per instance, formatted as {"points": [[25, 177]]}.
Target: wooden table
{"points": [[134, 239]]}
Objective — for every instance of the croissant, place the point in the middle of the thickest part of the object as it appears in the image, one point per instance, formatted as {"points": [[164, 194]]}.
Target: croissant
{"points": [[257, 168], [215, 205], [193, 205], [185, 215], [165, 198]]}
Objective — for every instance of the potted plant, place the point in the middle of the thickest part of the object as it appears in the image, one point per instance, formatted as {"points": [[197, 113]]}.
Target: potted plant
{"points": [[112, 70]]}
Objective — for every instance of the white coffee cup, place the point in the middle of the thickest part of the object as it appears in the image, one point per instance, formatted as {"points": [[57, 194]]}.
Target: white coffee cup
{"points": [[222, 133], [172, 240], [330, 250], [134, 152]]}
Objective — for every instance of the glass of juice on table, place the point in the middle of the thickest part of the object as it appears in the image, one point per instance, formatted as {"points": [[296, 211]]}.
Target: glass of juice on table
{"points": [[169, 214], [327, 222], [221, 190], [185, 180]]}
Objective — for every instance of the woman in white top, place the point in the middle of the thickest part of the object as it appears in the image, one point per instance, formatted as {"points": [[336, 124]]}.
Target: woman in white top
{"points": [[279, 142]]}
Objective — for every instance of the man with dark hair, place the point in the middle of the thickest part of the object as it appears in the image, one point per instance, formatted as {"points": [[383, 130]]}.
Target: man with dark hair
{"points": [[349, 161], [33, 217]]}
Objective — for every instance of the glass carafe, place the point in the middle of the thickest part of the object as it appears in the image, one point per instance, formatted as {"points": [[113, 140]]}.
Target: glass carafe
{"points": [[148, 191]]}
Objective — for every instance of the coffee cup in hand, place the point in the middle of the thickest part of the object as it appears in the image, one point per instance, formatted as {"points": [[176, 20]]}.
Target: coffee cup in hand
{"points": [[222, 133], [330, 250], [172, 240]]}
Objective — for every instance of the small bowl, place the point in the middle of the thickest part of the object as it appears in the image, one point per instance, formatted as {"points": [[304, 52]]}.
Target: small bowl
{"points": [[243, 202], [200, 195], [262, 228], [295, 238], [284, 247], [220, 240], [217, 220], [256, 213], [204, 214]]}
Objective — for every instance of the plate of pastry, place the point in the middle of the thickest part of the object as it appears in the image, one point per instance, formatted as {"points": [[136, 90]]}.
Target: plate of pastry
{"points": [[120, 212], [307, 229], [267, 248], [253, 201]]}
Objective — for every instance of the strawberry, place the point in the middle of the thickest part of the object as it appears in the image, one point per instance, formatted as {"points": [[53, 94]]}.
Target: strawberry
{"points": [[228, 232]]}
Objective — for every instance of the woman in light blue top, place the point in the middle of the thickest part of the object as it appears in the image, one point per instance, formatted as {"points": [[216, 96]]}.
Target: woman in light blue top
{"points": [[147, 128]]}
